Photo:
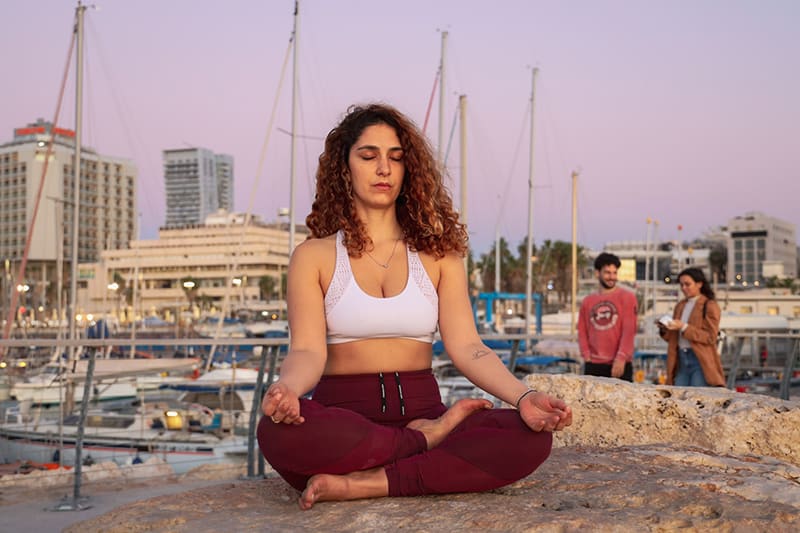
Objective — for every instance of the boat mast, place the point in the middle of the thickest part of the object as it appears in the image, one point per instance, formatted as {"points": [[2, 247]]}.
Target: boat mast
{"points": [[440, 145], [462, 107], [529, 244], [574, 296], [135, 291], [292, 169], [87, 385], [655, 264], [497, 259], [646, 297], [76, 175]]}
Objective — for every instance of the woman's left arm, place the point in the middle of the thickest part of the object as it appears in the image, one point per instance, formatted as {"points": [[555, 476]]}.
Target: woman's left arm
{"points": [[480, 364]]}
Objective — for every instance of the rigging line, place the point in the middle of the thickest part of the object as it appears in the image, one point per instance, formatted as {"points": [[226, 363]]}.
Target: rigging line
{"points": [[89, 139], [548, 170], [430, 100], [513, 165], [24, 261], [309, 180], [135, 145], [311, 137], [450, 139], [251, 201]]}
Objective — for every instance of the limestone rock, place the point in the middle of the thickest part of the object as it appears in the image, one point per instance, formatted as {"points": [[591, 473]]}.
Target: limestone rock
{"points": [[579, 488], [637, 458], [610, 412]]}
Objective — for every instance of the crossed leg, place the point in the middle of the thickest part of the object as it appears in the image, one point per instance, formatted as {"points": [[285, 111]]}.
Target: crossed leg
{"points": [[373, 483]]}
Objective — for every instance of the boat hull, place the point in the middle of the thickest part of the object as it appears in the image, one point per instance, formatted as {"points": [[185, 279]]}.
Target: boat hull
{"points": [[183, 452]]}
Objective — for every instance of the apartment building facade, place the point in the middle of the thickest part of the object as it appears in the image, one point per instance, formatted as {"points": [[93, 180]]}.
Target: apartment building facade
{"points": [[757, 240], [197, 182], [107, 214]]}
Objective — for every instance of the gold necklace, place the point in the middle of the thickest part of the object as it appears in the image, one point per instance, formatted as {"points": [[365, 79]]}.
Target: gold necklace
{"points": [[388, 261]]}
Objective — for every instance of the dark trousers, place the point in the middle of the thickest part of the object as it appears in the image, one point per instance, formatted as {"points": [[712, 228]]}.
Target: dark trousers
{"points": [[604, 370], [357, 422]]}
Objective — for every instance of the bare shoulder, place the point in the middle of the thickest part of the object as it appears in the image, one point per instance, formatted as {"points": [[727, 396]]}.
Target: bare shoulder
{"points": [[314, 260], [448, 266], [316, 251]]}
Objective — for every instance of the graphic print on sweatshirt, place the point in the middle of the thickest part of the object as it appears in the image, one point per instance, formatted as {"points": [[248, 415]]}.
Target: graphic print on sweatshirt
{"points": [[604, 315]]}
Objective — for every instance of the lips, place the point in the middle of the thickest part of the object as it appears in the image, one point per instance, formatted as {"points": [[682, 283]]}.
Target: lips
{"points": [[383, 186]]}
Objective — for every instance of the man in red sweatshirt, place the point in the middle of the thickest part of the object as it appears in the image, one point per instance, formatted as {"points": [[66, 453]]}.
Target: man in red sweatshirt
{"points": [[607, 324]]}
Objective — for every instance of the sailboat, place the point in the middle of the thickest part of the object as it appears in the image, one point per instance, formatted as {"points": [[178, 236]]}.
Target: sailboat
{"points": [[114, 380], [182, 435]]}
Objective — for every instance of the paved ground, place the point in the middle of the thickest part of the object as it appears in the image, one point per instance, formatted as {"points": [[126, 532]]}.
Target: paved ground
{"points": [[33, 510]]}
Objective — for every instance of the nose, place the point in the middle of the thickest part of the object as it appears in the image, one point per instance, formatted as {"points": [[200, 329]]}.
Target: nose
{"points": [[384, 168]]}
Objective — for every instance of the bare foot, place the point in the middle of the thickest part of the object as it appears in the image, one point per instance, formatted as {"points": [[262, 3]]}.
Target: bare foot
{"points": [[356, 485], [436, 430]]}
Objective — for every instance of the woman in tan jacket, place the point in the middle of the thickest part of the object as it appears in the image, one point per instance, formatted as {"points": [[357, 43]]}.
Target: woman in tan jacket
{"points": [[692, 358]]}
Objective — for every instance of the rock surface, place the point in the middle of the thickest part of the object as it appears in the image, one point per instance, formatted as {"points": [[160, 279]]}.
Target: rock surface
{"points": [[610, 412], [637, 458]]}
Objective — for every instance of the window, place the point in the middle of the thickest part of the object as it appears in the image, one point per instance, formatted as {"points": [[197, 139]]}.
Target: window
{"points": [[746, 309], [772, 310]]}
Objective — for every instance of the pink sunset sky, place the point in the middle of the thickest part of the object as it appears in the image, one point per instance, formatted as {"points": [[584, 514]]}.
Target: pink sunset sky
{"points": [[686, 111]]}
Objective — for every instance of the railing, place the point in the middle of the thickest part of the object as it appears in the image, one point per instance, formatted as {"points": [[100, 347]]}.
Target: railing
{"points": [[272, 346], [775, 357]]}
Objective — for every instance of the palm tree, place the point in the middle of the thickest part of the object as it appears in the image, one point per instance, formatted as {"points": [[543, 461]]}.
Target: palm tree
{"points": [[267, 286], [555, 260], [512, 278], [718, 262]]}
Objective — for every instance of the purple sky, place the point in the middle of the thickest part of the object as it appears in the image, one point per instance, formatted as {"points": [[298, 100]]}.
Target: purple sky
{"points": [[684, 111]]}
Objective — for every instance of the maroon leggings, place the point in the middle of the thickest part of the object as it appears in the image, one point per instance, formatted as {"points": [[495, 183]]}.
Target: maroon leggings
{"points": [[357, 422]]}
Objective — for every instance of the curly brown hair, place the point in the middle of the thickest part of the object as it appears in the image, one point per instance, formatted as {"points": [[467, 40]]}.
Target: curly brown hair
{"points": [[424, 207]]}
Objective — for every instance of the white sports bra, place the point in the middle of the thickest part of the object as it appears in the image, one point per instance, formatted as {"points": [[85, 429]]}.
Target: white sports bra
{"points": [[351, 314]]}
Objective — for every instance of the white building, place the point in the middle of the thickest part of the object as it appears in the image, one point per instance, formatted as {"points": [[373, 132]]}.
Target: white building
{"points": [[756, 239], [197, 183], [27, 175], [654, 261], [223, 257]]}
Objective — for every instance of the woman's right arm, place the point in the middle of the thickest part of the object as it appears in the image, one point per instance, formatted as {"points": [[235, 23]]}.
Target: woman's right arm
{"points": [[305, 362]]}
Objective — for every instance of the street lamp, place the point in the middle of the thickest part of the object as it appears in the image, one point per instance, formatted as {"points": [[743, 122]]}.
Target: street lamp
{"points": [[22, 289], [189, 285], [114, 287]]}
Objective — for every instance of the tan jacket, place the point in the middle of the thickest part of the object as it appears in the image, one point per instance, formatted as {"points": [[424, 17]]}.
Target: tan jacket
{"points": [[702, 334]]}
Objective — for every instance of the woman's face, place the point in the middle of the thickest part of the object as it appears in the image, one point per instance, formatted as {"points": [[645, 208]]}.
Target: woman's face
{"points": [[689, 286], [376, 167]]}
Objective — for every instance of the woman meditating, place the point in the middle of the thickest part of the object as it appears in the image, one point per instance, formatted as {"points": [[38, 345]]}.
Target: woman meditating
{"points": [[382, 269]]}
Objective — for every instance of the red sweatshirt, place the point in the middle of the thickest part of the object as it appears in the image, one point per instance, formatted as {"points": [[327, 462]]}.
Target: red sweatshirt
{"points": [[607, 326]]}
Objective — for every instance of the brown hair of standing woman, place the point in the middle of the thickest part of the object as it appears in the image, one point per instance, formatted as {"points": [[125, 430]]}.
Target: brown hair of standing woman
{"points": [[699, 277], [424, 208]]}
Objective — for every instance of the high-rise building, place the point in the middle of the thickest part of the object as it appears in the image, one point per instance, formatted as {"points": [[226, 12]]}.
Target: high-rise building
{"points": [[224, 181], [756, 239], [197, 183], [107, 208]]}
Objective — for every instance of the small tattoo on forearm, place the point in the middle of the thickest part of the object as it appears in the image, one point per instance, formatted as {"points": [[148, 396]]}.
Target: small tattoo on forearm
{"points": [[479, 353]]}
